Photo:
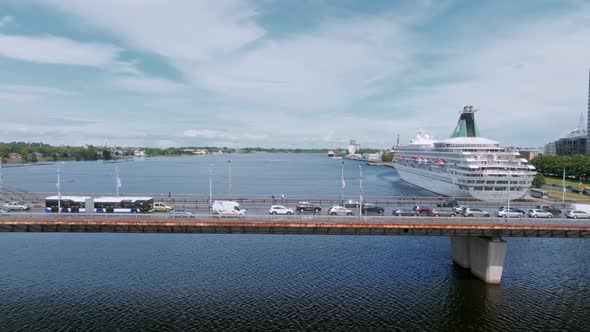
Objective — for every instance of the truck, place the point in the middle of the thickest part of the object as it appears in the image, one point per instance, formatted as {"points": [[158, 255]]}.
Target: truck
{"points": [[227, 208]]}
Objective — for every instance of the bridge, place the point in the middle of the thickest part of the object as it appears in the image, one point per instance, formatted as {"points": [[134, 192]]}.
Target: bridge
{"points": [[476, 243]]}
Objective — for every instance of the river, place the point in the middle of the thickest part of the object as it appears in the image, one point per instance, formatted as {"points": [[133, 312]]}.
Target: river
{"points": [[131, 282]]}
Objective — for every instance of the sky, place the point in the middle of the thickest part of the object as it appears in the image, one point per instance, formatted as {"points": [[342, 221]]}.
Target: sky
{"points": [[289, 73]]}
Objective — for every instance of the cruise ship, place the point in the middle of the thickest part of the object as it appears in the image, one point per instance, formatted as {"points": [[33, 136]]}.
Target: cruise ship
{"points": [[465, 164]]}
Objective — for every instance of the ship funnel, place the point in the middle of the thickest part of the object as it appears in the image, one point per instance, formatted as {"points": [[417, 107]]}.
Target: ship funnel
{"points": [[466, 126]]}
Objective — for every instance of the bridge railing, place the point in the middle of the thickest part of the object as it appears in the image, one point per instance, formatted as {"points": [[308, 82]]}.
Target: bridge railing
{"points": [[106, 217]]}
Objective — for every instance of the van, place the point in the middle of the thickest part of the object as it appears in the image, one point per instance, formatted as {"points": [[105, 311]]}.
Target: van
{"points": [[580, 207], [228, 208]]}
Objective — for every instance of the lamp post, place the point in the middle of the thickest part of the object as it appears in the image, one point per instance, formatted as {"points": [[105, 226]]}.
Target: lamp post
{"points": [[229, 162], [453, 183], [58, 190], [509, 174], [361, 193], [210, 186], [342, 184]]}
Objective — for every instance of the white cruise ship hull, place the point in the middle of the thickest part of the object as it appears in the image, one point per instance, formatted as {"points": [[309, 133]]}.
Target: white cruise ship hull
{"points": [[442, 184]]}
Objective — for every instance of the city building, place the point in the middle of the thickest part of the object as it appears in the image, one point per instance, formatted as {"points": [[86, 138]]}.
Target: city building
{"points": [[576, 141], [353, 147], [529, 154]]}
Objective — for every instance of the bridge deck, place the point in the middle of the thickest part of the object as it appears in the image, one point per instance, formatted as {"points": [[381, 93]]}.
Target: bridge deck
{"points": [[320, 225]]}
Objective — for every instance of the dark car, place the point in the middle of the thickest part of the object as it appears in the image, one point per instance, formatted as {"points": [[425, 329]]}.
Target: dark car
{"points": [[553, 210], [404, 212], [307, 206], [350, 204], [372, 208], [422, 210], [586, 191], [447, 203]]}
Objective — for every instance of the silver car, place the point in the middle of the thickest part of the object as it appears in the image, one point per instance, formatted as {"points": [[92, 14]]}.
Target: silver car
{"points": [[577, 214], [537, 213], [469, 212], [340, 211], [16, 206]]}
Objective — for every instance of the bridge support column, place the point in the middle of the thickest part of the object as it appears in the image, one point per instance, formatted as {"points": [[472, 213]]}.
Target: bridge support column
{"points": [[483, 255]]}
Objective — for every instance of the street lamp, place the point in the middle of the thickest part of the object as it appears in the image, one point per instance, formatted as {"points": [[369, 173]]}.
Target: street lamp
{"points": [[453, 182], [58, 191], [342, 183], [210, 186], [361, 193], [509, 174], [229, 162]]}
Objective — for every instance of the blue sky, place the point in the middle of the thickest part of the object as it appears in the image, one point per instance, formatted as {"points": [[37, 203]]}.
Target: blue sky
{"points": [[288, 73]]}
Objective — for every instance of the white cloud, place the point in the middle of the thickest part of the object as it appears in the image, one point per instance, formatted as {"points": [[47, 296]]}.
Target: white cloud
{"points": [[144, 84], [25, 93], [6, 20], [58, 50], [205, 133], [192, 30]]}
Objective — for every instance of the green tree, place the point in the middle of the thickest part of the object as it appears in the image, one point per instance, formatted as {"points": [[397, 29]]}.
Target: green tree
{"points": [[106, 154], [387, 157], [538, 181]]}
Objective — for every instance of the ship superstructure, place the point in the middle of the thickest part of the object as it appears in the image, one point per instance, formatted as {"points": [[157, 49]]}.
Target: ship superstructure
{"points": [[464, 164]]}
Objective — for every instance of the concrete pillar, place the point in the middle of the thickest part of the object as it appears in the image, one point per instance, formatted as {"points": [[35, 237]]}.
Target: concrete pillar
{"points": [[460, 251], [483, 255]]}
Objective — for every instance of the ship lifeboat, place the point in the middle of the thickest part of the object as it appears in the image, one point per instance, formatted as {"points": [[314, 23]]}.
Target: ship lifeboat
{"points": [[440, 162], [412, 158]]}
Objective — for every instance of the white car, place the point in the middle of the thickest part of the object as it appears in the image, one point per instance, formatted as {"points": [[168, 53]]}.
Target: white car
{"points": [[16, 206], [460, 208], [279, 209], [577, 214], [503, 213], [3, 211], [538, 213], [340, 211]]}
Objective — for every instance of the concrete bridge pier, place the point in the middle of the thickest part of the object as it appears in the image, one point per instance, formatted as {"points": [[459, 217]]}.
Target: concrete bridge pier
{"points": [[483, 255]]}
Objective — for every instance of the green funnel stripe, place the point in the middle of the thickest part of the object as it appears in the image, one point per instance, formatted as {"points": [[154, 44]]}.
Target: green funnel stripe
{"points": [[466, 126], [460, 130]]}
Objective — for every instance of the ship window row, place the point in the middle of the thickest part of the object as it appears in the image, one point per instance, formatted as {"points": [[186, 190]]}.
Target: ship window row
{"points": [[493, 188], [491, 182]]}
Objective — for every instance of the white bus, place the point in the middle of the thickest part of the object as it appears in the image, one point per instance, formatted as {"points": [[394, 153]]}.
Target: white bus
{"points": [[123, 204], [538, 193], [68, 204]]}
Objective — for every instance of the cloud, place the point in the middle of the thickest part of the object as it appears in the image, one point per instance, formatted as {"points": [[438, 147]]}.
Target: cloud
{"points": [[6, 20], [142, 84], [191, 30], [25, 93]]}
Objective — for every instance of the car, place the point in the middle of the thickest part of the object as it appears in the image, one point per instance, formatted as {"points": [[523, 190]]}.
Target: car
{"points": [[443, 212], [180, 211], [547, 208], [279, 209], [162, 207], [577, 214], [514, 213], [340, 211], [513, 209], [372, 208], [471, 212], [447, 203], [586, 191], [351, 204], [404, 212], [422, 210], [307, 206], [16, 206], [3, 211], [538, 213], [460, 208]]}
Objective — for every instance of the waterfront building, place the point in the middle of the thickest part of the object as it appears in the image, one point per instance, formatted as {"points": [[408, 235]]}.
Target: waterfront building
{"points": [[353, 147]]}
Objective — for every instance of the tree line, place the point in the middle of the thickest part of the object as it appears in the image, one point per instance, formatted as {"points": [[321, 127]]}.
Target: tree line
{"points": [[576, 167]]}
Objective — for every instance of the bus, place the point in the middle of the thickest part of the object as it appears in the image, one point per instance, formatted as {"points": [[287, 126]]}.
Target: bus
{"points": [[68, 204], [123, 204], [538, 193]]}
